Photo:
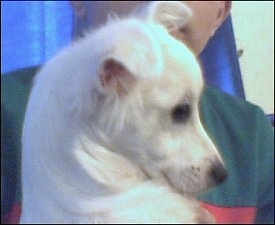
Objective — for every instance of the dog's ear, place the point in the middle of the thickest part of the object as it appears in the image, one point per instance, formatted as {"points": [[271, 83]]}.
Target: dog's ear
{"points": [[132, 53], [173, 15], [116, 77]]}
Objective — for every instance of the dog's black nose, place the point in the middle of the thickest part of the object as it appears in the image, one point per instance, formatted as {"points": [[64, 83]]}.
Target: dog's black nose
{"points": [[218, 173]]}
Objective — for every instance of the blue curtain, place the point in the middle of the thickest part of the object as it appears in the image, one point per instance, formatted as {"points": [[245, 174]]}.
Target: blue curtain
{"points": [[220, 61], [33, 31]]}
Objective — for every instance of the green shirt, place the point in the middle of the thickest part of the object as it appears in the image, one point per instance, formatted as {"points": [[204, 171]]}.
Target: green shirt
{"points": [[240, 130]]}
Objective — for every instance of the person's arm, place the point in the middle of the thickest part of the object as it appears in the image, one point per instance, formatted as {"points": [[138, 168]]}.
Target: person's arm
{"points": [[265, 170], [15, 89]]}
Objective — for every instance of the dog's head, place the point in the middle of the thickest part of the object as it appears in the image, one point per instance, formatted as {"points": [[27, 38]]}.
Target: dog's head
{"points": [[147, 108]]}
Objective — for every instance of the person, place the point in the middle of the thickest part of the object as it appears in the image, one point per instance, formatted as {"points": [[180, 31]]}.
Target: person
{"points": [[239, 129]]}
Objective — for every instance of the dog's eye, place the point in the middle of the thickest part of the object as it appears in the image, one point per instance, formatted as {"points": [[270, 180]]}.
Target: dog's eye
{"points": [[181, 113]]}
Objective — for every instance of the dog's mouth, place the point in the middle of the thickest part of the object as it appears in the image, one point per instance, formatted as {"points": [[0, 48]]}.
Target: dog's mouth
{"points": [[188, 182], [185, 185]]}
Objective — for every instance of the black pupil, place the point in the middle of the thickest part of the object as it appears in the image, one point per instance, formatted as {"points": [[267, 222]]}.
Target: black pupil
{"points": [[181, 113]]}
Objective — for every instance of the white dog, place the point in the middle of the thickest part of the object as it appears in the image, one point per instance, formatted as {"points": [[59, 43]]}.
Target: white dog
{"points": [[112, 131]]}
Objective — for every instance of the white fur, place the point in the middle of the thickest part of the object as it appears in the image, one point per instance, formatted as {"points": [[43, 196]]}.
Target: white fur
{"points": [[99, 142]]}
